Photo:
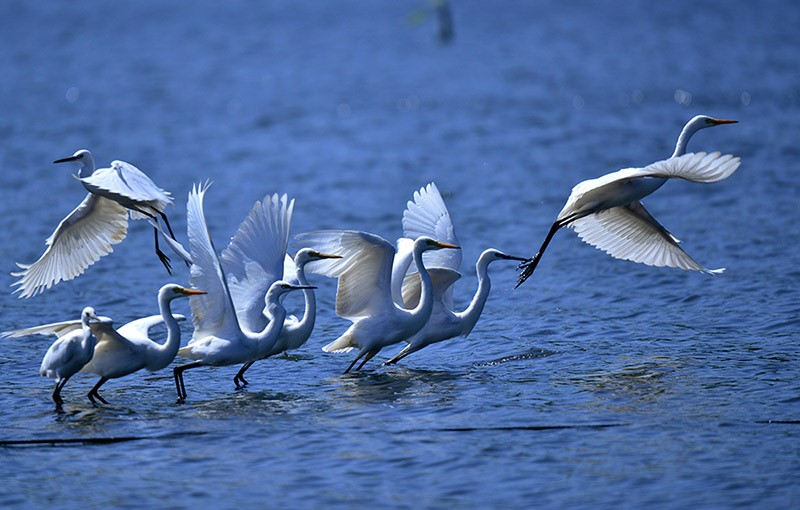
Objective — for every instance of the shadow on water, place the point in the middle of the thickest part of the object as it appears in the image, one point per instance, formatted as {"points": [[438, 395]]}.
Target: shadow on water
{"points": [[88, 441], [534, 353], [390, 384]]}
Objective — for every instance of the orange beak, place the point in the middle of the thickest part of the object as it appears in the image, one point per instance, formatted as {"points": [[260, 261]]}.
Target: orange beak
{"points": [[192, 292], [327, 256], [446, 245], [724, 121]]}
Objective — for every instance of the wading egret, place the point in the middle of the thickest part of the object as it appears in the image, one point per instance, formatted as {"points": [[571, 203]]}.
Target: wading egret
{"points": [[73, 349], [364, 296], [427, 215], [99, 221], [219, 337], [607, 212]]}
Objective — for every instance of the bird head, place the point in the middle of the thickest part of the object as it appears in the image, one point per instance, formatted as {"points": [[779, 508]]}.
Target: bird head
{"points": [[426, 243], [281, 287], [704, 121], [307, 255], [172, 291], [492, 254], [82, 157]]}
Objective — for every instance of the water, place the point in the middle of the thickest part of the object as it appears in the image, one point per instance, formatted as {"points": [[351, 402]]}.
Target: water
{"points": [[599, 383]]}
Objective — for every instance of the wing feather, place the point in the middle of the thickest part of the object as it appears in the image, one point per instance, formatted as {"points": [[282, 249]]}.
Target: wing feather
{"points": [[427, 215], [140, 328], [697, 167], [442, 280], [124, 182], [81, 238]]}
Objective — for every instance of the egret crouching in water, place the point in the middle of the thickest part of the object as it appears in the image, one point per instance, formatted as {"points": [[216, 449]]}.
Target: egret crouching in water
{"points": [[607, 213], [364, 295], [99, 221]]}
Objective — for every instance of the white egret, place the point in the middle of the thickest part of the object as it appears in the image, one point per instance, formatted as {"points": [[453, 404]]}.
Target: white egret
{"points": [[220, 337], [129, 349], [70, 352], [427, 215], [364, 295], [97, 223], [607, 212]]}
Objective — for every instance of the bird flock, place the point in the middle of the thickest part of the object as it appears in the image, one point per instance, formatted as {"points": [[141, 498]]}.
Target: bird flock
{"points": [[390, 293]]}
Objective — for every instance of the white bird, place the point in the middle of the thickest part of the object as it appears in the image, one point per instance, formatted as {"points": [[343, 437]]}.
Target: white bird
{"points": [[70, 352], [129, 349], [607, 213], [97, 223], [364, 296], [427, 215], [220, 337]]}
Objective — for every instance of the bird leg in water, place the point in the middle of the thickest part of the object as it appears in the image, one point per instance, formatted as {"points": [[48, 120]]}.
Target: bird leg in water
{"points": [[355, 360], [57, 393], [177, 372], [93, 393], [400, 355], [240, 375], [370, 355]]}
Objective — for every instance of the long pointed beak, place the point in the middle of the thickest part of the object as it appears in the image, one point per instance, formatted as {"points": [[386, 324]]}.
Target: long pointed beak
{"points": [[446, 245], [724, 121], [66, 160], [511, 257], [327, 256], [192, 292], [301, 287]]}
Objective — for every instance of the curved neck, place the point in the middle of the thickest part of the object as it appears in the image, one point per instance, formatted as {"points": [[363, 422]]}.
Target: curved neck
{"points": [[469, 317], [306, 324], [162, 355], [87, 166], [266, 339], [683, 139], [425, 305]]}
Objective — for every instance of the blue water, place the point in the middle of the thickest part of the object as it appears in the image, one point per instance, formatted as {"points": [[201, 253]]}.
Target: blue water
{"points": [[598, 384]]}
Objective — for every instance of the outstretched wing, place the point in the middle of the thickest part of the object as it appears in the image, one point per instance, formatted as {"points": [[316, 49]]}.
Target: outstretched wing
{"points": [[696, 167], [85, 235], [254, 258], [427, 215], [55, 328], [442, 280], [139, 328], [213, 312], [124, 181], [364, 271], [631, 233]]}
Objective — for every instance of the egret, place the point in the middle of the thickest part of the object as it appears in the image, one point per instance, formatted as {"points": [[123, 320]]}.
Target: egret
{"points": [[364, 296], [607, 213], [219, 337], [129, 349], [97, 223], [427, 214], [70, 352]]}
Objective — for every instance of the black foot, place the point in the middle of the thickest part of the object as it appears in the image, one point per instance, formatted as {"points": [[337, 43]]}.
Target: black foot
{"points": [[164, 260]]}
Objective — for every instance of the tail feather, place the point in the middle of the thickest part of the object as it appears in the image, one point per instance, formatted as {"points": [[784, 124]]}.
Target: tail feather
{"points": [[344, 343]]}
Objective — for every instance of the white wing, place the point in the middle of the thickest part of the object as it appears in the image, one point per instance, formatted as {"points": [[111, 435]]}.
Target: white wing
{"points": [[56, 328], [213, 312], [427, 215], [124, 182], [442, 280], [175, 245], [364, 271], [254, 258], [85, 235], [631, 233], [403, 259], [697, 167], [139, 328], [290, 270]]}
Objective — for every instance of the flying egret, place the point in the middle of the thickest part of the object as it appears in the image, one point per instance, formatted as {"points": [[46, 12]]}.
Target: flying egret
{"points": [[97, 223], [364, 296], [220, 335], [427, 215], [70, 352], [129, 349], [607, 213]]}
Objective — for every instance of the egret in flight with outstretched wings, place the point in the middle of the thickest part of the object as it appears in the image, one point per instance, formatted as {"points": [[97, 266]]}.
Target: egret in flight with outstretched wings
{"points": [[97, 223], [607, 212]]}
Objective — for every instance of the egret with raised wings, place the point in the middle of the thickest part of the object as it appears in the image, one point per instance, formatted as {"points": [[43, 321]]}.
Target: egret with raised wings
{"points": [[607, 212], [222, 334], [427, 215], [364, 296], [99, 222]]}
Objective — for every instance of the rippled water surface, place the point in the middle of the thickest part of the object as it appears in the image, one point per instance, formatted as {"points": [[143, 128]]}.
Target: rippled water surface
{"points": [[599, 383]]}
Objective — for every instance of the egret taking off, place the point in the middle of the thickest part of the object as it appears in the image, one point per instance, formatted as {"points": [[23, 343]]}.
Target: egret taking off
{"points": [[99, 221], [219, 337], [607, 213], [73, 349], [428, 215], [364, 295]]}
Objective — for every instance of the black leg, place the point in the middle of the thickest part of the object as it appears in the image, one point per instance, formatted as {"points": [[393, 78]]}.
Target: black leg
{"points": [[161, 255], [529, 266], [354, 361], [240, 375], [172, 234], [369, 356], [93, 393], [400, 355], [177, 372], [57, 393]]}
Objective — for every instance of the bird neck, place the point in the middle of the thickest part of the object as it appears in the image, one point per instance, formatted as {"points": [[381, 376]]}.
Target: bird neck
{"points": [[89, 340], [266, 339], [87, 166], [469, 317], [683, 139], [163, 354], [425, 305], [306, 324]]}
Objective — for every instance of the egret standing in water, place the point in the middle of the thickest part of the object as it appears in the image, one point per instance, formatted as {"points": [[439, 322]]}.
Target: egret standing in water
{"points": [[427, 215], [607, 213], [364, 295], [99, 221], [73, 349]]}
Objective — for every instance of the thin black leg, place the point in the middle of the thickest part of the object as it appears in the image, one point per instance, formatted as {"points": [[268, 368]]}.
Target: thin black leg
{"points": [[177, 372], [400, 355], [354, 361], [93, 393], [161, 255], [240, 375], [172, 234], [369, 356], [529, 266]]}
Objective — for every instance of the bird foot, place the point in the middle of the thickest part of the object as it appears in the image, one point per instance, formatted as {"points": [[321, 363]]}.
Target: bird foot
{"points": [[164, 260]]}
